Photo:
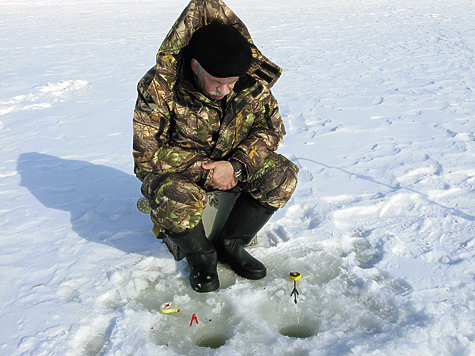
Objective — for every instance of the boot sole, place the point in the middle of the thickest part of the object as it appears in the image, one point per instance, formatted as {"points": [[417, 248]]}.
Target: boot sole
{"points": [[205, 288], [253, 276], [244, 274]]}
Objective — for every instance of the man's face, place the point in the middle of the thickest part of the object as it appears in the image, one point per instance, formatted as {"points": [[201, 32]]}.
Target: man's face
{"points": [[213, 87]]}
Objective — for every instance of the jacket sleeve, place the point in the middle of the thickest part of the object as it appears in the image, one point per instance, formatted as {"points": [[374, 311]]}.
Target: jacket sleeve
{"points": [[264, 137], [153, 150]]}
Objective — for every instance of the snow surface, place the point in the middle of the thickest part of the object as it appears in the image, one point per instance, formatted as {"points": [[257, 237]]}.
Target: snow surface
{"points": [[378, 100]]}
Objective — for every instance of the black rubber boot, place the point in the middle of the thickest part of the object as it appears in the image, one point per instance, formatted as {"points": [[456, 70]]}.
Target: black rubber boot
{"points": [[201, 257], [245, 219]]}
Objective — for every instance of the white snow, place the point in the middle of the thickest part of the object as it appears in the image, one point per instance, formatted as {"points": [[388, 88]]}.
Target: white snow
{"points": [[378, 100]]}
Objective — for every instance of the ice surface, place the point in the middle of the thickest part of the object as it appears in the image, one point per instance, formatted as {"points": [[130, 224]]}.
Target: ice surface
{"points": [[378, 101]]}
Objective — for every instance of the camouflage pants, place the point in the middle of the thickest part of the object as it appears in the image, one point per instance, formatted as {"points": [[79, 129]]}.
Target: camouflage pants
{"points": [[178, 203]]}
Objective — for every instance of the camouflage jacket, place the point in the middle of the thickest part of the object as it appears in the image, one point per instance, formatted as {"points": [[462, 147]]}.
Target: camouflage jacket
{"points": [[177, 128]]}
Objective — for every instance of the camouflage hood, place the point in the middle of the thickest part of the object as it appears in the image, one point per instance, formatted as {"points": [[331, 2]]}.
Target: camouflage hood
{"points": [[199, 13]]}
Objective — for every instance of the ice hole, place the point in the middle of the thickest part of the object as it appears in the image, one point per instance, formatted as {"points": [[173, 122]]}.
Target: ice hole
{"points": [[297, 332], [212, 341]]}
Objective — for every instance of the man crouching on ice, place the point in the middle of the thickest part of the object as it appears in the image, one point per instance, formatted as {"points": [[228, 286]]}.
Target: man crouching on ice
{"points": [[205, 119]]}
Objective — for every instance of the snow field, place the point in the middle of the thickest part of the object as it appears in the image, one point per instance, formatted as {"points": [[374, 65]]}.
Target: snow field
{"points": [[378, 102]]}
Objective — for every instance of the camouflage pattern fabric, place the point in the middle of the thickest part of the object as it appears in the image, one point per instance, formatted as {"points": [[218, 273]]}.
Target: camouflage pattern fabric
{"points": [[177, 203], [177, 128]]}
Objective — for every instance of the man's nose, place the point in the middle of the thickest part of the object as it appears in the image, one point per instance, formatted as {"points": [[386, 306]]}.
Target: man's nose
{"points": [[224, 89]]}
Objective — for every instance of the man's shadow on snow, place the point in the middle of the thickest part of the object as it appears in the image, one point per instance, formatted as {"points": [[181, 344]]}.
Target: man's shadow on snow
{"points": [[100, 199]]}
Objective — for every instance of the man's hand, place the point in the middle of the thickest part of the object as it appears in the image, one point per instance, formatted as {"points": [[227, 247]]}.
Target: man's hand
{"points": [[223, 175]]}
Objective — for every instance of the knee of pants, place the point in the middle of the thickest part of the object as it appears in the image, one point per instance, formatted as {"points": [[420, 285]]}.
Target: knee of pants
{"points": [[276, 181], [177, 203]]}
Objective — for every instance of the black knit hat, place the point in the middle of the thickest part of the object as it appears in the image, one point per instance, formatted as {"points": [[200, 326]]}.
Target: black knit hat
{"points": [[221, 50]]}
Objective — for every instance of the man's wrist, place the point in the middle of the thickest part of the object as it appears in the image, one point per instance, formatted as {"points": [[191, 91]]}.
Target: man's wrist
{"points": [[239, 171]]}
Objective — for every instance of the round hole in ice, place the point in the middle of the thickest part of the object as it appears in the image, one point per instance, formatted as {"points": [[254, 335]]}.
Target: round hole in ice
{"points": [[296, 331], [211, 341]]}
